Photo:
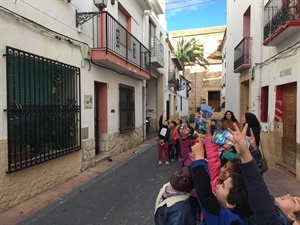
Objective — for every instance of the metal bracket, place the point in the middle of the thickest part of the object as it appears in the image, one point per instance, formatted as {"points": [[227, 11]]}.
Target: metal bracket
{"points": [[82, 17]]}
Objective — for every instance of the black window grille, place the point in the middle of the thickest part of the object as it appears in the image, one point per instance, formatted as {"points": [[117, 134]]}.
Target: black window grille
{"points": [[43, 109], [127, 108]]}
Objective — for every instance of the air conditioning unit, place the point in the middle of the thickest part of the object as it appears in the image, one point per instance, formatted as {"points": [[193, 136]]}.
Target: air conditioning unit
{"points": [[86, 52]]}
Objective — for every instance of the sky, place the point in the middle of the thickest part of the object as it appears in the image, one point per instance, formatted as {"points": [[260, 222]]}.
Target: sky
{"points": [[190, 14]]}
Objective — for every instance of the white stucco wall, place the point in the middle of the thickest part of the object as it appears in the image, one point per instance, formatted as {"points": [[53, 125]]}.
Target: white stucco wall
{"points": [[236, 9], [54, 43], [267, 62]]}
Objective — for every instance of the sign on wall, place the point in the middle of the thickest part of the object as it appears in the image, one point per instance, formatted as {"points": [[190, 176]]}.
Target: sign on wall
{"points": [[88, 101]]}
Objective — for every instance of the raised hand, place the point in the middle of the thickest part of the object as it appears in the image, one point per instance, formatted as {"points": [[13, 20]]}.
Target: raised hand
{"points": [[240, 143], [208, 128], [252, 141], [296, 222], [198, 151]]}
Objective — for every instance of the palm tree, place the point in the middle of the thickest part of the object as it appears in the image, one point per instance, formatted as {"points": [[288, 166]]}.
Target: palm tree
{"points": [[188, 53]]}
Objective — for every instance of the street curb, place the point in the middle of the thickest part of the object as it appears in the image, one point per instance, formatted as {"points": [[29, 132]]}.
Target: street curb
{"points": [[25, 209]]}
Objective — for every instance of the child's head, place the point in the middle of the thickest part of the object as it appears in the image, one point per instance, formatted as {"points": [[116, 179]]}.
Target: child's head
{"points": [[166, 122], [229, 168], [182, 180], [192, 124], [229, 148], [232, 194], [289, 205], [173, 124], [187, 130], [179, 121], [213, 122], [200, 138]]}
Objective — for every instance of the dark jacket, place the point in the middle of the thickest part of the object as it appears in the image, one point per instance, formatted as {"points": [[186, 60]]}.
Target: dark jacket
{"points": [[262, 203]]}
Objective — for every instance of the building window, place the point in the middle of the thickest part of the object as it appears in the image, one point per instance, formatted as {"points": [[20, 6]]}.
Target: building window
{"points": [[264, 102], [127, 108], [43, 113]]}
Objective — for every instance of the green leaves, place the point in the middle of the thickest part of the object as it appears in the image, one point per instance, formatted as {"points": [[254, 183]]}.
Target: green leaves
{"points": [[188, 53]]}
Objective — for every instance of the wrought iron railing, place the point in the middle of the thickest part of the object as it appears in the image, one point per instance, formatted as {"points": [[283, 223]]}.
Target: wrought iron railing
{"points": [[277, 14], [156, 48], [111, 35], [242, 52], [43, 109]]}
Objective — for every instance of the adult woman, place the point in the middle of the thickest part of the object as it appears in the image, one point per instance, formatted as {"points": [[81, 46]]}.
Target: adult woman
{"points": [[228, 120], [254, 124], [255, 127]]}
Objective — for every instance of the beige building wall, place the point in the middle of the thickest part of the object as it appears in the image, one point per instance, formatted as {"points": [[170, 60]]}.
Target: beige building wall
{"points": [[202, 80]]}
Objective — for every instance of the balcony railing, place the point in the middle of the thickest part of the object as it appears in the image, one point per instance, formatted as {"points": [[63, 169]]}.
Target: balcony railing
{"points": [[242, 55], [157, 52], [278, 14], [112, 36]]}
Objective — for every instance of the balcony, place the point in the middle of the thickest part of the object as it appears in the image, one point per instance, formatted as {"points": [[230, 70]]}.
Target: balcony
{"points": [[117, 49], [157, 53], [242, 55], [282, 21]]}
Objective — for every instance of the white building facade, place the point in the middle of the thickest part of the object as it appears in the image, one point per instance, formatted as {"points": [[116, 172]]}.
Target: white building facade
{"points": [[262, 73], [72, 90]]}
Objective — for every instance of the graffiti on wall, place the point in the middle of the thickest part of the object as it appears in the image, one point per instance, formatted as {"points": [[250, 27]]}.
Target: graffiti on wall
{"points": [[149, 112]]}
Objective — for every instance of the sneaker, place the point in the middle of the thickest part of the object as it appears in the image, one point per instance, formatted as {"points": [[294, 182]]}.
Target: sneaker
{"points": [[172, 160], [159, 162], [167, 162]]}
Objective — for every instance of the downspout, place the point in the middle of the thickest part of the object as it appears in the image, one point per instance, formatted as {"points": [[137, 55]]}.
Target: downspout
{"points": [[260, 59], [145, 19]]}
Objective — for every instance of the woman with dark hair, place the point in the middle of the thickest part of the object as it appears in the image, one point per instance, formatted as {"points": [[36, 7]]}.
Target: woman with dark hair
{"points": [[228, 120], [254, 124]]}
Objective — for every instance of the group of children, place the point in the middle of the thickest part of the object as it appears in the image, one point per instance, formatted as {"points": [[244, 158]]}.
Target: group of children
{"points": [[229, 191]]}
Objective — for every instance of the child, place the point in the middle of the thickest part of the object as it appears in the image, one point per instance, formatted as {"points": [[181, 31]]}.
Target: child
{"points": [[229, 204], [174, 138], [172, 206], [163, 140], [283, 210], [179, 128], [213, 127], [218, 172], [228, 152], [186, 142]]}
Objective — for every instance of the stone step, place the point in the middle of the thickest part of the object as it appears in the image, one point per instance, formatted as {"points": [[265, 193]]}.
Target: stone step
{"points": [[286, 168], [101, 158]]}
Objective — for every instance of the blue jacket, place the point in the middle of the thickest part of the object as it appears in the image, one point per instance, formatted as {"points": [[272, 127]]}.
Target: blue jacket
{"points": [[214, 214], [175, 210]]}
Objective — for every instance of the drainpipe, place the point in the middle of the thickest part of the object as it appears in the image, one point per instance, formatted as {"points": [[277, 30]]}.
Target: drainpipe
{"points": [[260, 57]]}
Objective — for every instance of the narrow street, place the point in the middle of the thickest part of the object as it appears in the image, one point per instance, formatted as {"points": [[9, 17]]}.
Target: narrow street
{"points": [[122, 193]]}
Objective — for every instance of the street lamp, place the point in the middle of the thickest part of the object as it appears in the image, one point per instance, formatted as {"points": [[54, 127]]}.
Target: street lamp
{"points": [[82, 17]]}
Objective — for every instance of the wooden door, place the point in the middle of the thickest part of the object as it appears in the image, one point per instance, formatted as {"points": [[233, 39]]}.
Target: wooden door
{"points": [[214, 99], [289, 124]]}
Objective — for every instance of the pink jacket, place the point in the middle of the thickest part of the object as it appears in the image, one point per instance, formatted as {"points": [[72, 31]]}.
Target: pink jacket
{"points": [[213, 162]]}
